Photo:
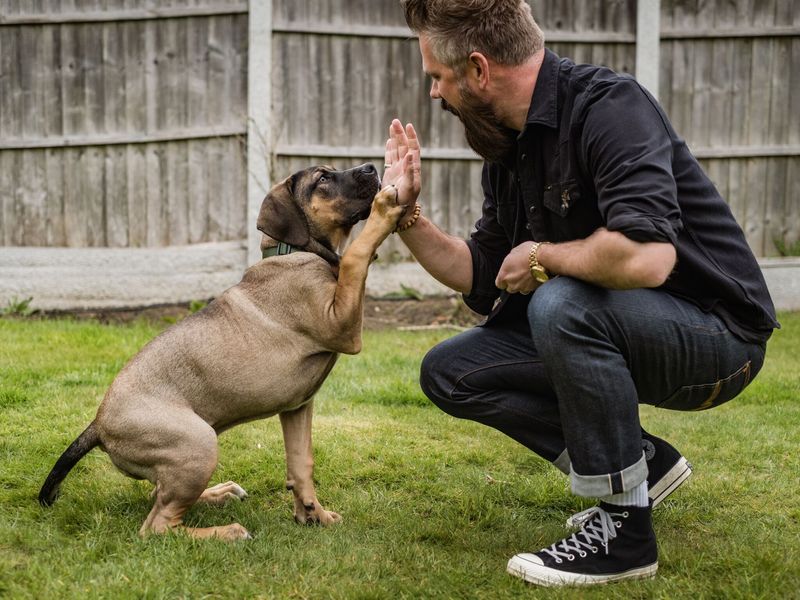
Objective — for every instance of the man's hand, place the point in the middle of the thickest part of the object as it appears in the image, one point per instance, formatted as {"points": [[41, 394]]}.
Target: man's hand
{"points": [[402, 162], [445, 257], [515, 273]]}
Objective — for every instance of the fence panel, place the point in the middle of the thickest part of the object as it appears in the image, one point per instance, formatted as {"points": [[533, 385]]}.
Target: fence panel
{"points": [[123, 128]]}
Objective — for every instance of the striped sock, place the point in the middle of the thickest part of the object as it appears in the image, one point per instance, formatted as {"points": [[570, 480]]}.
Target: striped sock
{"points": [[636, 496]]}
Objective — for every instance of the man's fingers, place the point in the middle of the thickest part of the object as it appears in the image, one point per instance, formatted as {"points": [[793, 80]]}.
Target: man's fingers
{"points": [[416, 152], [399, 137], [411, 135], [398, 133], [388, 154], [415, 170], [402, 146]]}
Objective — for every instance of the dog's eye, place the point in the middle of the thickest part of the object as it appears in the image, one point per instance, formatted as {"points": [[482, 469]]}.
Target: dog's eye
{"points": [[323, 179]]}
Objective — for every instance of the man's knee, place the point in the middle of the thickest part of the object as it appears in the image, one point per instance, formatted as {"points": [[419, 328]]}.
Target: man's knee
{"points": [[437, 379], [433, 375], [558, 307]]}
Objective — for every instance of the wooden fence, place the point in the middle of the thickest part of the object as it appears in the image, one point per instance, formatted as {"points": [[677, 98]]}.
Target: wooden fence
{"points": [[144, 124]]}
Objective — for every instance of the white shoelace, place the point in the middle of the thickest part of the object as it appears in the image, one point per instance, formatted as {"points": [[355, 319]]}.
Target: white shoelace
{"points": [[579, 518], [598, 528]]}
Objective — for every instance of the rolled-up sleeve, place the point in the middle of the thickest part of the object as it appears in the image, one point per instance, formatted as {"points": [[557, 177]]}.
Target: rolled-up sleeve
{"points": [[627, 147], [489, 245]]}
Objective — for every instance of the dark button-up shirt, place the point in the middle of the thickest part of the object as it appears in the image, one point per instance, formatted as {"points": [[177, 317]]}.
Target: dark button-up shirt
{"points": [[597, 150]]}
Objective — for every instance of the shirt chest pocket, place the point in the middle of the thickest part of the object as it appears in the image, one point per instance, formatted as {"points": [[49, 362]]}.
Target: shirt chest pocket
{"points": [[570, 211], [560, 198]]}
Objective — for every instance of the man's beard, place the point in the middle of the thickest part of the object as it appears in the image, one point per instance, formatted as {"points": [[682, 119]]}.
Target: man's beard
{"points": [[486, 135]]}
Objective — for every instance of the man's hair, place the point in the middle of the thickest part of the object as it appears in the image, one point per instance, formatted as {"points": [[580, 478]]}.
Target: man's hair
{"points": [[503, 30]]}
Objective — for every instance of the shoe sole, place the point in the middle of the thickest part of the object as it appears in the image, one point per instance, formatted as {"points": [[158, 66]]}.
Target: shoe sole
{"points": [[547, 577], [671, 481]]}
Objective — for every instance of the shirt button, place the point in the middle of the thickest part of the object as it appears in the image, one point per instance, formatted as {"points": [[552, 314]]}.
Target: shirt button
{"points": [[528, 226], [523, 156], [532, 209]]}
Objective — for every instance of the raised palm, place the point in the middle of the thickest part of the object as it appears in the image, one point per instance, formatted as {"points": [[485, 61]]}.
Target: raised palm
{"points": [[402, 158]]}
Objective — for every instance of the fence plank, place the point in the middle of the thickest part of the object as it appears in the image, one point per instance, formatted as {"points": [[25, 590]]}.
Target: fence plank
{"points": [[198, 192], [217, 211], [740, 109], [779, 88], [115, 193], [73, 90], [720, 95], [137, 194], [793, 106], [737, 197], [54, 178], [156, 232], [775, 228], [759, 100], [176, 194], [33, 196], [701, 94], [198, 87], [755, 226], [137, 62], [791, 211]]}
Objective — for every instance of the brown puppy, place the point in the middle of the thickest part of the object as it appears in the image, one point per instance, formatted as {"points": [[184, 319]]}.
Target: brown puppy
{"points": [[262, 348]]}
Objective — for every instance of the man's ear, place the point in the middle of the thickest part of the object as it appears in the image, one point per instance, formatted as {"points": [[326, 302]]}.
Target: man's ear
{"points": [[281, 218], [479, 68]]}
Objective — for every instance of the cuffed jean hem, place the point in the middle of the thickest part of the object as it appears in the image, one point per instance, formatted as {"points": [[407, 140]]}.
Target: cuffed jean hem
{"points": [[562, 462], [597, 486]]}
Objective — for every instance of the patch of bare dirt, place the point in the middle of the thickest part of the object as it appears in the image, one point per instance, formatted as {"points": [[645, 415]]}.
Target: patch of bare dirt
{"points": [[379, 313], [424, 313]]}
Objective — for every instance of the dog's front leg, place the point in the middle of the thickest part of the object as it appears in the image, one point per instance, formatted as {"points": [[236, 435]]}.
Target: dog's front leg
{"points": [[296, 426], [346, 308]]}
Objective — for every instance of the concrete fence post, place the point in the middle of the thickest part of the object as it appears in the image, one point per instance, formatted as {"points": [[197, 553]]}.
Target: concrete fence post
{"points": [[648, 40], [259, 115]]}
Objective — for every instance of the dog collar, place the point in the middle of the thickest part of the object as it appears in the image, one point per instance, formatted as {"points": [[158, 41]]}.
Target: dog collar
{"points": [[279, 250]]}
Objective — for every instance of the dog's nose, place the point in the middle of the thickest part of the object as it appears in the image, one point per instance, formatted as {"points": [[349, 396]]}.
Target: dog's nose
{"points": [[369, 169]]}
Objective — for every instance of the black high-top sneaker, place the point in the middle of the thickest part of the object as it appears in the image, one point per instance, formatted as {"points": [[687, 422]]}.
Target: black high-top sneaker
{"points": [[614, 543], [667, 470]]}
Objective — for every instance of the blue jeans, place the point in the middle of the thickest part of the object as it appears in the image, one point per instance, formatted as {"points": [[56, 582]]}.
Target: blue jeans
{"points": [[567, 383]]}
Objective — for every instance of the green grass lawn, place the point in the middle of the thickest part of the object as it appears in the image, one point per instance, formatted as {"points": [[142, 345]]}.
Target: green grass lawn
{"points": [[433, 507]]}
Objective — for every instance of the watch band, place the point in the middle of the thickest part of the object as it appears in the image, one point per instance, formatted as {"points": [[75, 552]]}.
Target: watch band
{"points": [[538, 272]]}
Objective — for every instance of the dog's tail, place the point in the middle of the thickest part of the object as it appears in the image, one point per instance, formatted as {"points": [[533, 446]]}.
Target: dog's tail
{"points": [[76, 451]]}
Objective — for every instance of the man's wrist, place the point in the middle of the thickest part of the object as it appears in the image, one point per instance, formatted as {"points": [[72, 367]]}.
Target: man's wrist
{"points": [[538, 272], [410, 219]]}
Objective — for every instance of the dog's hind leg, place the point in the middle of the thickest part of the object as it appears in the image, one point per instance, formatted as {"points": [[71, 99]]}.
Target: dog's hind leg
{"points": [[296, 426], [181, 478]]}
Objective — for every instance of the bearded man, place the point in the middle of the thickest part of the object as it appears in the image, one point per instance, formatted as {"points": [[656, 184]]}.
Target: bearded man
{"points": [[611, 270]]}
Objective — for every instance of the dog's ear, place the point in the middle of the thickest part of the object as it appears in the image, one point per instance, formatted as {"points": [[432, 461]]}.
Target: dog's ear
{"points": [[281, 218]]}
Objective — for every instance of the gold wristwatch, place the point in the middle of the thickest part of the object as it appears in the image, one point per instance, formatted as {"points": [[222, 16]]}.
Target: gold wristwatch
{"points": [[538, 272]]}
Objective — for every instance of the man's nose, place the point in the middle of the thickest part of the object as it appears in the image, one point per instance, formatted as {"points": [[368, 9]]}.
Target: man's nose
{"points": [[434, 93]]}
